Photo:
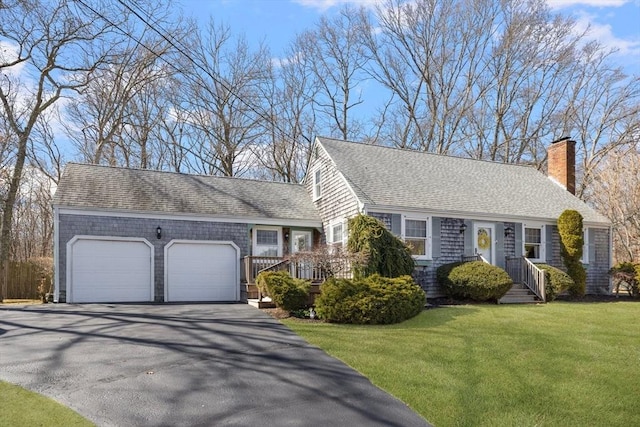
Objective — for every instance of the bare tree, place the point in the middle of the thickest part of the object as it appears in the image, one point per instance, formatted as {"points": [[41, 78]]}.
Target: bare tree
{"points": [[222, 100], [111, 119], [52, 51], [616, 193], [602, 112], [430, 56], [288, 101], [335, 53]]}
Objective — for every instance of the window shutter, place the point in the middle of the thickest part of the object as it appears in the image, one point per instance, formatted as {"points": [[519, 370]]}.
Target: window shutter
{"points": [[468, 238], [396, 224], [548, 244], [518, 231], [592, 246], [435, 237], [499, 244]]}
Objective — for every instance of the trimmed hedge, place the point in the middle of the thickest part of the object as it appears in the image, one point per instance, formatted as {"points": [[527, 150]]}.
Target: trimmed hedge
{"points": [[476, 280], [382, 252], [557, 281], [373, 300], [286, 292]]}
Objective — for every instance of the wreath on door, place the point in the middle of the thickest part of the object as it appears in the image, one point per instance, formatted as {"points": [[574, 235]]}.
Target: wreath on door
{"points": [[484, 241]]}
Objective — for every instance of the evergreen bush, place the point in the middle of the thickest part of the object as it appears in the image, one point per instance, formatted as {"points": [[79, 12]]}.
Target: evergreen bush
{"points": [[381, 252], [286, 292], [373, 300], [557, 281], [476, 280], [570, 229]]}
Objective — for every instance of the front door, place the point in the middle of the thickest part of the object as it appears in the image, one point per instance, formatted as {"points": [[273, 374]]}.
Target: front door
{"points": [[484, 237], [301, 242]]}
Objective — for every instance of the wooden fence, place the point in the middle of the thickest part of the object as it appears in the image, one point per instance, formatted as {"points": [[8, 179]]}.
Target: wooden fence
{"points": [[22, 280]]}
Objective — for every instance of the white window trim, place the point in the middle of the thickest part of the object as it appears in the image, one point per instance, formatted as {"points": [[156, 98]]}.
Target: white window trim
{"points": [[317, 186], [428, 251], [543, 240], [254, 238], [343, 238], [585, 246]]}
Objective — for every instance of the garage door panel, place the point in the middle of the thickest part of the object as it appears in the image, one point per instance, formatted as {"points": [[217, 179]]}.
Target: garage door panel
{"points": [[104, 270], [201, 271]]}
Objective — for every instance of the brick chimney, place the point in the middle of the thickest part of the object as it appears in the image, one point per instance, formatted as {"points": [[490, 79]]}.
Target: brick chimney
{"points": [[561, 163]]}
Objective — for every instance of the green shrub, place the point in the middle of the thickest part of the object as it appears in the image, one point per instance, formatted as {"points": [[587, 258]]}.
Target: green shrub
{"points": [[476, 280], [557, 281], [382, 252], [373, 300], [571, 243], [286, 292]]}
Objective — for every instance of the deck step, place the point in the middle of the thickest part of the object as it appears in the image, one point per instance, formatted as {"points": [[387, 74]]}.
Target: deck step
{"points": [[518, 294], [265, 303]]}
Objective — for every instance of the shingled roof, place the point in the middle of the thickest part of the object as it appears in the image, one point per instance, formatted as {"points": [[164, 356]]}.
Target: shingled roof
{"points": [[407, 179], [94, 187]]}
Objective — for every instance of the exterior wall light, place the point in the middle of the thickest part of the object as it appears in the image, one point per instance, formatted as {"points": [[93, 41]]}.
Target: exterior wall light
{"points": [[463, 227], [159, 232], [508, 232]]}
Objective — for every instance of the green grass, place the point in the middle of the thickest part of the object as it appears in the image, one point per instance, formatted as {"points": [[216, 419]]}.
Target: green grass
{"points": [[20, 407], [559, 364]]}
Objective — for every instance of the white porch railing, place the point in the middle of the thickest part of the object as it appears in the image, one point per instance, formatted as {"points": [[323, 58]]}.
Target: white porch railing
{"points": [[521, 270]]}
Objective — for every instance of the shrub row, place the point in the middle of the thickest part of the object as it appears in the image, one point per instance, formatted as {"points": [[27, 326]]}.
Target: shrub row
{"points": [[476, 280], [373, 300]]}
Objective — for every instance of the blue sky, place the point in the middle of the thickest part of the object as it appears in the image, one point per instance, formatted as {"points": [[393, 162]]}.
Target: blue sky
{"points": [[615, 23]]}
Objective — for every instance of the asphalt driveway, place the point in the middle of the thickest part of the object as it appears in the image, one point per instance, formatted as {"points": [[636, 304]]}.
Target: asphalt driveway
{"points": [[185, 365]]}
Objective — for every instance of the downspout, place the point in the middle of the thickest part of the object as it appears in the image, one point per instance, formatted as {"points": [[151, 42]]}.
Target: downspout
{"points": [[56, 254]]}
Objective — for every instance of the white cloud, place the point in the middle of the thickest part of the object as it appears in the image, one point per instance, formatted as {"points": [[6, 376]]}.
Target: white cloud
{"points": [[323, 5], [603, 33], [560, 4], [9, 53]]}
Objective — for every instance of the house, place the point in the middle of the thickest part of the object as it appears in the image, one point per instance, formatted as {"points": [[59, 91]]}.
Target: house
{"points": [[447, 208], [127, 235]]}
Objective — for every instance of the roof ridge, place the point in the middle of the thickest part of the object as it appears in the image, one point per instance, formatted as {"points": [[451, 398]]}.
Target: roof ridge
{"points": [[235, 178], [414, 151]]}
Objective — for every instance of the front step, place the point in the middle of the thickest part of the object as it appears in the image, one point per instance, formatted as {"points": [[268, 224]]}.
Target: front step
{"points": [[518, 294]]}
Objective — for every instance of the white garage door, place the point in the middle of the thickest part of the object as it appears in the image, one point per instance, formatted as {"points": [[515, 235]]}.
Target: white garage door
{"points": [[201, 271], [110, 270]]}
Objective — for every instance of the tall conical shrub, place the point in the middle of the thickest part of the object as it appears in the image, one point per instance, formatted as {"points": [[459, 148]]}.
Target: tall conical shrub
{"points": [[571, 242]]}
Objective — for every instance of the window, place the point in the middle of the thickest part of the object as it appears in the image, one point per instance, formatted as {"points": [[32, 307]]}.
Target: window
{"points": [[416, 237], [266, 242], [317, 184], [534, 242], [337, 234]]}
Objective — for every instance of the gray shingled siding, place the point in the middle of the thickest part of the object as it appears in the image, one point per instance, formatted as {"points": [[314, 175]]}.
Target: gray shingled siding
{"points": [[451, 250], [75, 225], [337, 201], [598, 280], [510, 240]]}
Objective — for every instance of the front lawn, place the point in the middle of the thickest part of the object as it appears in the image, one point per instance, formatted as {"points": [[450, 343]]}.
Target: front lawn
{"points": [[558, 364], [22, 407]]}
